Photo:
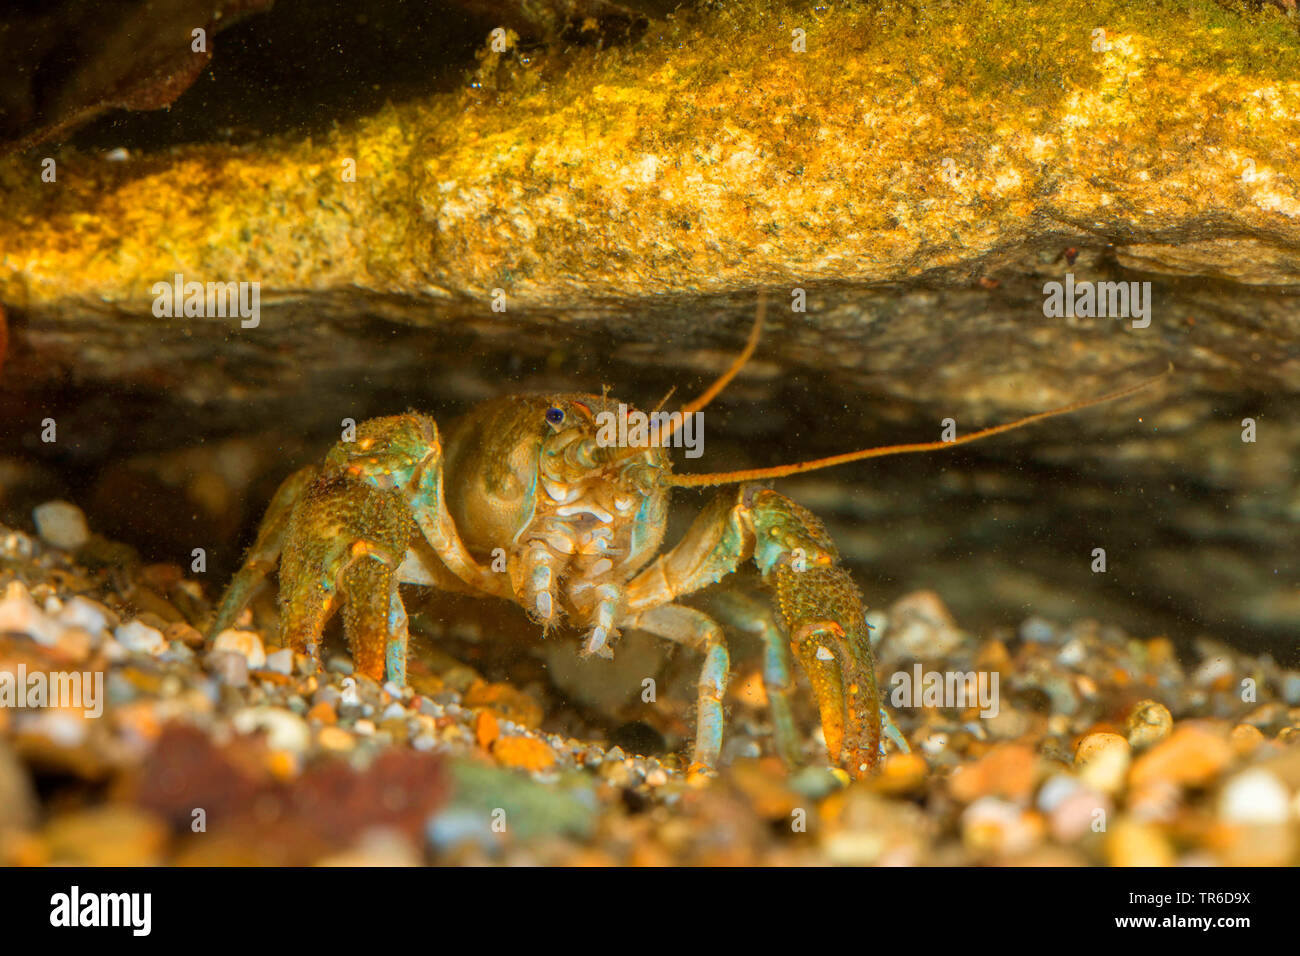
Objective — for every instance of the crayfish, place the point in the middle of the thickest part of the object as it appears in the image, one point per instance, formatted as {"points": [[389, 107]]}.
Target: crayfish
{"points": [[580, 523]]}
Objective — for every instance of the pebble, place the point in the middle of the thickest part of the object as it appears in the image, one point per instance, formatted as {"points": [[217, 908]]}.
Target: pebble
{"points": [[1272, 844], [335, 738], [140, 638], [1291, 688], [999, 826], [176, 653], [1245, 739], [921, 627], [75, 644], [526, 753], [1254, 796], [350, 696], [1007, 770], [1073, 654], [191, 638], [1158, 801], [228, 667], [323, 712], [902, 773], [85, 614], [1213, 670], [1102, 761], [246, 643], [281, 662], [1056, 789], [377, 847], [1149, 722], [284, 729], [1073, 808], [1135, 843], [1038, 630], [1191, 756], [328, 694], [62, 524], [20, 614]]}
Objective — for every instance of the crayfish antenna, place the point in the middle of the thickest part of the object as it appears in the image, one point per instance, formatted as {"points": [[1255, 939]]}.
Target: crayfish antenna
{"points": [[781, 471], [664, 401], [723, 380], [714, 390]]}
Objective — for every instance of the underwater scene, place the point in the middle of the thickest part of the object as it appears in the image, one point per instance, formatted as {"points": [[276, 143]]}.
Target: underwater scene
{"points": [[649, 433]]}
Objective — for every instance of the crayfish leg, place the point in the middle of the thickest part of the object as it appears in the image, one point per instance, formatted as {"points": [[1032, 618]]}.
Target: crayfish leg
{"points": [[263, 556], [825, 618], [744, 612], [345, 544], [374, 619], [826, 622], [698, 631]]}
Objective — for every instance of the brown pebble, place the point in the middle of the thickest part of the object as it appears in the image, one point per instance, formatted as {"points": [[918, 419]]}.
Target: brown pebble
{"points": [[1133, 843], [324, 713], [180, 631], [1245, 739], [1148, 723], [1007, 770], [1193, 755], [1103, 761]]}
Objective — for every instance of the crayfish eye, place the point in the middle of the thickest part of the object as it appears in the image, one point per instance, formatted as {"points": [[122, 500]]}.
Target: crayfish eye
{"points": [[555, 415]]}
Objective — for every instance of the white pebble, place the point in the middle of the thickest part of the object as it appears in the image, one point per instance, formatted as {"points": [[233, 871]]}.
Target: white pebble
{"points": [[1254, 797], [85, 614], [993, 824], [281, 661], [19, 614], [1056, 790], [61, 524], [284, 729], [393, 710], [350, 695], [245, 643], [140, 637]]}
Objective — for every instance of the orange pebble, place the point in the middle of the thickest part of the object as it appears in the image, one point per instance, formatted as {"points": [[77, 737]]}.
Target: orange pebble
{"points": [[524, 753], [323, 712], [486, 728]]}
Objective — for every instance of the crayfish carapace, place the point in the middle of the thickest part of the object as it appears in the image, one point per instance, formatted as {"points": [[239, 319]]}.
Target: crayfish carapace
{"points": [[579, 524]]}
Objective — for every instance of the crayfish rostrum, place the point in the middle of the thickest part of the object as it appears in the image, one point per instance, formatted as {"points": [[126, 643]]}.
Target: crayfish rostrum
{"points": [[580, 524]]}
